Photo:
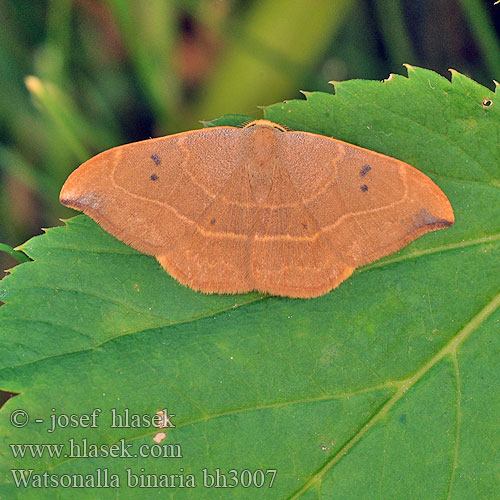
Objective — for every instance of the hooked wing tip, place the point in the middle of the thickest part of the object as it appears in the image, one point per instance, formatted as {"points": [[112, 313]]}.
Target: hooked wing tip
{"points": [[81, 201], [425, 218]]}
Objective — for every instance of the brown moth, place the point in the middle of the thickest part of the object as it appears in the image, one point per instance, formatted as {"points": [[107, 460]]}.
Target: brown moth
{"points": [[230, 210]]}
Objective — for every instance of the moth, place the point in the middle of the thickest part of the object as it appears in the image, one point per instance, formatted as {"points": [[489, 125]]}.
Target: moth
{"points": [[230, 210]]}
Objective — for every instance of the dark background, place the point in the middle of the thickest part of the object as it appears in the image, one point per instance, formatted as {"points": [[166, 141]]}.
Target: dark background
{"points": [[78, 77]]}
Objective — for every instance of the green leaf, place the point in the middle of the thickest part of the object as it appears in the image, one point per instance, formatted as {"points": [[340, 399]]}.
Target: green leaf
{"points": [[233, 120], [19, 256], [383, 388]]}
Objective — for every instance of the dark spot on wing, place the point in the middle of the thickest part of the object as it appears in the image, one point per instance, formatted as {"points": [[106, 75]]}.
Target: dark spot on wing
{"points": [[364, 188], [425, 218], [212, 221], [304, 225], [364, 170], [487, 103], [154, 177], [156, 159]]}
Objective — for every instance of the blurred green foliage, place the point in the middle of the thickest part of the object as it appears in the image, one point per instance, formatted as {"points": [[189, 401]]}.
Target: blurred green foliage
{"points": [[77, 77]]}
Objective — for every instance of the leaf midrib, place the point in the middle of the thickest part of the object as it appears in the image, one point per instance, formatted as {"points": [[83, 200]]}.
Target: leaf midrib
{"points": [[208, 417], [449, 349], [402, 387]]}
